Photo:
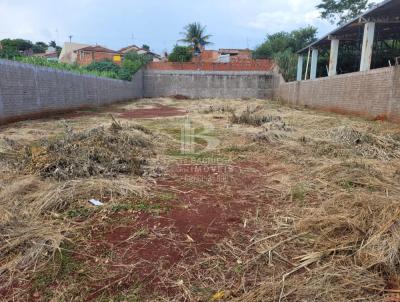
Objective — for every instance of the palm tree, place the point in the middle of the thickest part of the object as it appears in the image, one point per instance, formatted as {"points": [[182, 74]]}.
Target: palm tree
{"points": [[195, 36]]}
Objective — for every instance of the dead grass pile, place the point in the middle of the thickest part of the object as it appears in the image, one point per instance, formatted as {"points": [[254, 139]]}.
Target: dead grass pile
{"points": [[33, 224], [366, 144], [254, 117], [224, 108], [99, 151], [274, 130]]}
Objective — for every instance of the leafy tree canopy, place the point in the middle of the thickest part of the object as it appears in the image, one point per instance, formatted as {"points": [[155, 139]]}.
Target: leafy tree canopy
{"points": [[105, 65], [146, 47], [282, 48], [11, 48], [53, 44], [132, 63], [39, 47], [283, 41], [195, 36], [181, 54], [342, 11]]}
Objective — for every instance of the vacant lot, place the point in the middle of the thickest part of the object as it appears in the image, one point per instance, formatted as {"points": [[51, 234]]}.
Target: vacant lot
{"points": [[202, 200]]}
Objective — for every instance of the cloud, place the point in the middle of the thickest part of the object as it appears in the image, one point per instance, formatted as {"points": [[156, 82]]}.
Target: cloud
{"points": [[297, 13], [233, 23]]}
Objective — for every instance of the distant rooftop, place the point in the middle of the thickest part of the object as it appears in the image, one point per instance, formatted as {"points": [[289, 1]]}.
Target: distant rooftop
{"points": [[97, 48]]}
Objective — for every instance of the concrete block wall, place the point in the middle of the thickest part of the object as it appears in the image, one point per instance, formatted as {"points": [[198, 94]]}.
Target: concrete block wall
{"points": [[373, 94], [28, 91], [209, 84]]}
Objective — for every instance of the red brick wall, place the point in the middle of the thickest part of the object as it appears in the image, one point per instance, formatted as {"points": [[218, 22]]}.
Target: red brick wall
{"points": [[251, 65], [88, 57], [374, 94]]}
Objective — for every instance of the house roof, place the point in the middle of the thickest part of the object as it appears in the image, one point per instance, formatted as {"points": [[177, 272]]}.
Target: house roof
{"points": [[385, 14], [127, 48], [96, 48], [233, 50], [138, 49], [52, 54]]}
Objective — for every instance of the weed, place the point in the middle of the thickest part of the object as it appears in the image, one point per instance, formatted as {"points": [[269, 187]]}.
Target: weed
{"points": [[80, 212], [298, 192], [166, 196], [238, 149]]}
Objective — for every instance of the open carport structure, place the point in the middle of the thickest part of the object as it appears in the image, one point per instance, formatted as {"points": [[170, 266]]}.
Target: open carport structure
{"points": [[371, 40]]}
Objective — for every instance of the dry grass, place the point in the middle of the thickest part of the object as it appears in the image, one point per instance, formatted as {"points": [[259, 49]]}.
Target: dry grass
{"points": [[327, 226], [33, 225], [99, 151], [333, 230]]}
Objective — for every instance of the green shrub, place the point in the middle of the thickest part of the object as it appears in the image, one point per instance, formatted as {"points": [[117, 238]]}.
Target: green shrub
{"points": [[181, 54]]}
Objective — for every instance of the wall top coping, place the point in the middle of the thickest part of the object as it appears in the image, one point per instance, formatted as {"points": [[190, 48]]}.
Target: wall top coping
{"points": [[204, 72]]}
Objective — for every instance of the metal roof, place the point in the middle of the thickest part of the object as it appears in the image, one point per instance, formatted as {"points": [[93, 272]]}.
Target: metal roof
{"points": [[386, 14]]}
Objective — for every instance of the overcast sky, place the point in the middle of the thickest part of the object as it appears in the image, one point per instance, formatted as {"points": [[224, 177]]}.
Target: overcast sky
{"points": [[115, 24]]}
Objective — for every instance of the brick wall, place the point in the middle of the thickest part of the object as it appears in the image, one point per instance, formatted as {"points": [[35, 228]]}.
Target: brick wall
{"points": [[28, 91], [88, 57], [373, 94], [250, 65]]}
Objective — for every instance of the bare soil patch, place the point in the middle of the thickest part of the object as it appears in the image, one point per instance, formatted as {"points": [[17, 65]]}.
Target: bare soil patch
{"points": [[158, 111]]}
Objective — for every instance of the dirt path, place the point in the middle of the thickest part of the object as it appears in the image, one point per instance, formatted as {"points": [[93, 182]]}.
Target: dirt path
{"points": [[204, 204]]}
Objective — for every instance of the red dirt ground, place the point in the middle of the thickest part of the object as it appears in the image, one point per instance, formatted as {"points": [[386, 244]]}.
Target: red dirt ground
{"points": [[207, 209], [158, 111]]}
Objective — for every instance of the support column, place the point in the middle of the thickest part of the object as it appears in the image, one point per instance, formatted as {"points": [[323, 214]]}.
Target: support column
{"points": [[300, 68], [333, 57], [314, 64], [367, 46]]}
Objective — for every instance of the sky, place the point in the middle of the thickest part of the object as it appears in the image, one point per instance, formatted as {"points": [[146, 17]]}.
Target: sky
{"points": [[158, 23]]}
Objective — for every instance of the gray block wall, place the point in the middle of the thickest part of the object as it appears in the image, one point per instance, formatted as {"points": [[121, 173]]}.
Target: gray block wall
{"points": [[27, 90], [209, 84]]}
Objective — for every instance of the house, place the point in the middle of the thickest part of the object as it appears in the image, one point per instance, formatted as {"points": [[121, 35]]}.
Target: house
{"points": [[68, 54], [50, 54], [223, 56], [141, 51], [97, 53], [235, 55], [208, 56]]}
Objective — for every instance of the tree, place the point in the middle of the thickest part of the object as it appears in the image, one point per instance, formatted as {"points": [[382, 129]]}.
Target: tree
{"points": [[146, 47], [53, 44], [105, 65], [39, 47], [282, 41], [282, 47], [11, 48], [343, 11], [17, 44], [132, 63], [181, 54], [195, 36]]}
